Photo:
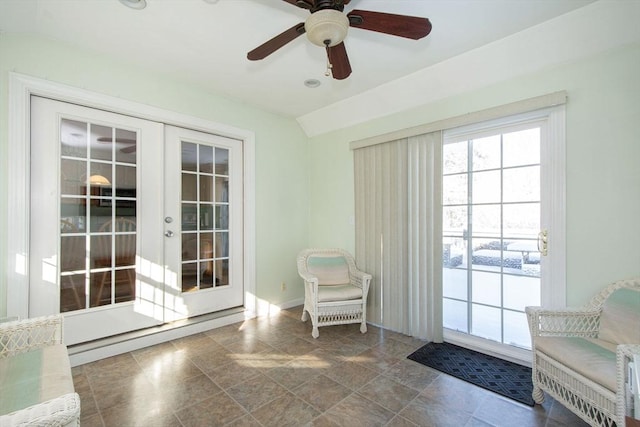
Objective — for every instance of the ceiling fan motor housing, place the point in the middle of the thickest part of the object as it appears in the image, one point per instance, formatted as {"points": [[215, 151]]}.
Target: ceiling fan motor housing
{"points": [[327, 27]]}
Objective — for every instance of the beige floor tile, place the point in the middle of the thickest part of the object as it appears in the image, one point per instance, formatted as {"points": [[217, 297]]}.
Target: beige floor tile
{"points": [[141, 412], [375, 359], [256, 392], [211, 360], [399, 421], [428, 414], [286, 410], [218, 410], [290, 377], [322, 392], [188, 392], [455, 394], [499, 411], [270, 372], [169, 367], [295, 346], [246, 421], [388, 393], [138, 389], [232, 373], [94, 420], [357, 411], [411, 374], [352, 375]]}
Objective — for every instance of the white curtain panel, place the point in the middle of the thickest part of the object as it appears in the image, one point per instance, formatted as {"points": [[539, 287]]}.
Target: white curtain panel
{"points": [[399, 232]]}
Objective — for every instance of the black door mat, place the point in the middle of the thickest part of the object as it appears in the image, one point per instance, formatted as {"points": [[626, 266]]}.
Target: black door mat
{"points": [[499, 376]]}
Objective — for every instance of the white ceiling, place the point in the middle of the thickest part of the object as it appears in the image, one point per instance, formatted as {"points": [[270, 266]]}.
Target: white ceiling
{"points": [[206, 44]]}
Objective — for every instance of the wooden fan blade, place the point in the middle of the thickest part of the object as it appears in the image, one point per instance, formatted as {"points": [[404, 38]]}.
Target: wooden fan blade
{"points": [[304, 4], [109, 140], [340, 66], [276, 43], [129, 149], [309, 4], [411, 27]]}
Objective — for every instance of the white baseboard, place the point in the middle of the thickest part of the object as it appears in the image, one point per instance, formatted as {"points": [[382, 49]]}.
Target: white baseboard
{"points": [[291, 304], [112, 346]]}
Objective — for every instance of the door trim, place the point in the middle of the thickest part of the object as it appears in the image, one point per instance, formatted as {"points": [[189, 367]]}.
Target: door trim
{"points": [[21, 88]]}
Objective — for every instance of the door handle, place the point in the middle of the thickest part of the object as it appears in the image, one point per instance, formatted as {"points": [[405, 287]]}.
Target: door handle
{"points": [[168, 233], [543, 240]]}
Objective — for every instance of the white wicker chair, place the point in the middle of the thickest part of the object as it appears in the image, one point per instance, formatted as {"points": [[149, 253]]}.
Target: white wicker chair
{"points": [[38, 339], [581, 355], [335, 291]]}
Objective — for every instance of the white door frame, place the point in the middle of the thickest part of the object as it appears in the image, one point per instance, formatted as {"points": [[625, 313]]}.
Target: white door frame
{"points": [[21, 87]]}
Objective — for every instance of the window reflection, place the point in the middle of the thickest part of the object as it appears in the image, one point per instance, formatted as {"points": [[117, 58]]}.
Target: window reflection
{"points": [[73, 141], [98, 224], [205, 208]]}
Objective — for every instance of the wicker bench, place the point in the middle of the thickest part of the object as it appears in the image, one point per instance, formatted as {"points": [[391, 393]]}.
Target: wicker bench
{"points": [[35, 375], [581, 356]]}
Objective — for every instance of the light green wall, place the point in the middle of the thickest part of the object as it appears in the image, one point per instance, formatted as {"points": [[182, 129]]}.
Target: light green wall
{"points": [[603, 164], [281, 147], [304, 192]]}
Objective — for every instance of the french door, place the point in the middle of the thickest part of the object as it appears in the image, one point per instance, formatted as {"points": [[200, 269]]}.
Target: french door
{"points": [[497, 212], [102, 210], [204, 248]]}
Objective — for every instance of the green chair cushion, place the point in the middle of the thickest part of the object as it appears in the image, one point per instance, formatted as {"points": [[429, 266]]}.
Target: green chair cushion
{"points": [[591, 358], [330, 270], [338, 293], [34, 377], [620, 318]]}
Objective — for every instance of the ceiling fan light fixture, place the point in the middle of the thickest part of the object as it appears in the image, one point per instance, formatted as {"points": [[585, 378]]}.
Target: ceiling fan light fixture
{"points": [[327, 27], [98, 180]]}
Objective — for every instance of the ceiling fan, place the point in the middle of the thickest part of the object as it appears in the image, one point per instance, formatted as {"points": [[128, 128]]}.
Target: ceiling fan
{"points": [[327, 26]]}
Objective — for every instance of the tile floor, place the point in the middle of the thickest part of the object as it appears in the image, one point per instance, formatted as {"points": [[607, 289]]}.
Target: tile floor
{"points": [[271, 372]]}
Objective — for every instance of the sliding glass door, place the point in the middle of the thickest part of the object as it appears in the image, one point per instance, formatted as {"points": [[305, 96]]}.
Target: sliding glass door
{"points": [[493, 235]]}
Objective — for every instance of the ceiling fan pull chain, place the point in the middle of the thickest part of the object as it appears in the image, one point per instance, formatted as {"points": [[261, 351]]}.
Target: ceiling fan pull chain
{"points": [[329, 64]]}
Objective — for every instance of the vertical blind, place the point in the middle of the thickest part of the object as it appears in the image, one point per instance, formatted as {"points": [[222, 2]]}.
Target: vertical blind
{"points": [[399, 217], [398, 232]]}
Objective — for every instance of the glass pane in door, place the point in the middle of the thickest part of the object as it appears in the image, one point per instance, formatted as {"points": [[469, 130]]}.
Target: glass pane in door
{"points": [[205, 222], [98, 222], [491, 220]]}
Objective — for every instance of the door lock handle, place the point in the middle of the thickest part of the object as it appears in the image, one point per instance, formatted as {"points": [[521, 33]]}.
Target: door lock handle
{"points": [[168, 233], [543, 240]]}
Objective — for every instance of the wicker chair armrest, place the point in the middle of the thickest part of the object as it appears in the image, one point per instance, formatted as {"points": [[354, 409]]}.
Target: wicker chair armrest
{"points": [[61, 411], [308, 277], [25, 335], [628, 350], [624, 355], [578, 322], [359, 278]]}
